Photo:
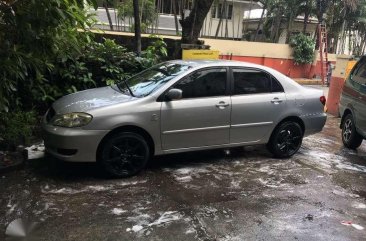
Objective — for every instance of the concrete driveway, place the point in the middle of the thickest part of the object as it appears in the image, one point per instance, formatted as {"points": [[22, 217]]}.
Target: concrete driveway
{"points": [[211, 195]]}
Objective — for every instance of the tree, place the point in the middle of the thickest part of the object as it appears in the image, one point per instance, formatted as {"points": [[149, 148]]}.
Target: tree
{"points": [[137, 26], [175, 17], [147, 11], [222, 14], [106, 4], [265, 3], [33, 34], [192, 25]]}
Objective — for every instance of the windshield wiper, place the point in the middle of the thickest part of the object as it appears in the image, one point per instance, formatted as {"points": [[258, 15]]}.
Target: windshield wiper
{"points": [[128, 87]]}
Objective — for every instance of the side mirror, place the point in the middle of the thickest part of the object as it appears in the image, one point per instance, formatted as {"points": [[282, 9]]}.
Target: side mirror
{"points": [[174, 94]]}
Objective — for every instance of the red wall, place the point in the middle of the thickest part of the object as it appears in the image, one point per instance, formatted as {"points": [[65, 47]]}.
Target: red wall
{"points": [[285, 66], [335, 90]]}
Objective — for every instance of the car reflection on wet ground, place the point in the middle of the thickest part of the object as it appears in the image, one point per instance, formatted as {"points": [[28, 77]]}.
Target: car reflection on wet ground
{"points": [[319, 194]]}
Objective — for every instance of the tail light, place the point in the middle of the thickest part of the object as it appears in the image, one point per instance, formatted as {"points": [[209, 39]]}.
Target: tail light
{"points": [[323, 100]]}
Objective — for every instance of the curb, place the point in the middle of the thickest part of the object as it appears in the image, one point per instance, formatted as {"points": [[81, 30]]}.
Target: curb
{"points": [[308, 82]]}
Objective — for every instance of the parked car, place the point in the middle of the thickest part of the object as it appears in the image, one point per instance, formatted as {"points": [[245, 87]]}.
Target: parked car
{"points": [[181, 106], [352, 106]]}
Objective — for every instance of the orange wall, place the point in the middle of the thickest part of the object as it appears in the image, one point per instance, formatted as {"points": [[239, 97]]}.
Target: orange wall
{"points": [[285, 66]]}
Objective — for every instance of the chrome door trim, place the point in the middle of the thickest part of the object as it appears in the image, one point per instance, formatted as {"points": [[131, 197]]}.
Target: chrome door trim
{"points": [[196, 129], [253, 124]]}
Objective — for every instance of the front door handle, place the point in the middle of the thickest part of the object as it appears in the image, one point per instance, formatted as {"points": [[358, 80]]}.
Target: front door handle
{"points": [[222, 105], [276, 100]]}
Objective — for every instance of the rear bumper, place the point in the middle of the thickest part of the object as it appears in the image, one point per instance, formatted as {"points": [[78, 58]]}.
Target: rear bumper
{"points": [[314, 123], [72, 144]]}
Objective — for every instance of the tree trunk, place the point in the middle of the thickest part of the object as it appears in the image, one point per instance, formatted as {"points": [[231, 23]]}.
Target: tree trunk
{"points": [[306, 20], [226, 22], [259, 24], [363, 45], [288, 28], [108, 15], [175, 17], [247, 23], [306, 16], [137, 24], [221, 16], [192, 25], [276, 27]]}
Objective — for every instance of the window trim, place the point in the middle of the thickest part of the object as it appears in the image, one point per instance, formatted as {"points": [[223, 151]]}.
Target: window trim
{"points": [[232, 81], [162, 97], [357, 67]]}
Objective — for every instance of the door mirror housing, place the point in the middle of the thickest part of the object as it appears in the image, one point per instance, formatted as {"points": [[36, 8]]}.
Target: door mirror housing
{"points": [[174, 94]]}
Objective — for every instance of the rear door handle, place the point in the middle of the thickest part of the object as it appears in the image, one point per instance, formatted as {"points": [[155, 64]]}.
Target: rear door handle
{"points": [[276, 100], [222, 105]]}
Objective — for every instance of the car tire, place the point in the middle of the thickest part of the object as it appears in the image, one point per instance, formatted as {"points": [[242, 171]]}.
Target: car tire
{"points": [[350, 137], [124, 154], [286, 139]]}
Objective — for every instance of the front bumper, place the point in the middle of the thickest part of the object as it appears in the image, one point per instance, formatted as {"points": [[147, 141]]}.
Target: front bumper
{"points": [[72, 144]]}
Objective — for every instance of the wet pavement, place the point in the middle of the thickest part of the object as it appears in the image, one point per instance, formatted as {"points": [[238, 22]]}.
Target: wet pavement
{"points": [[210, 195]]}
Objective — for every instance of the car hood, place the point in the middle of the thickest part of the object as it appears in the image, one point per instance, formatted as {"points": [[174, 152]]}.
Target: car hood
{"points": [[87, 100]]}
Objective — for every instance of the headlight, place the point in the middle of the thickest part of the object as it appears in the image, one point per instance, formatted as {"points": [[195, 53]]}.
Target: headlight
{"points": [[72, 119]]}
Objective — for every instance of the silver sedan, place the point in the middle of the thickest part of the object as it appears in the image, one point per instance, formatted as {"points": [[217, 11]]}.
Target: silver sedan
{"points": [[181, 106]]}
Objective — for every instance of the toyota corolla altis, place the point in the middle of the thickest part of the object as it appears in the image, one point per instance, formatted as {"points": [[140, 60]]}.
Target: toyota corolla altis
{"points": [[181, 106]]}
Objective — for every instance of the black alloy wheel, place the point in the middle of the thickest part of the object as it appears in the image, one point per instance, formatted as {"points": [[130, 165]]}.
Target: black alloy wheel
{"points": [[124, 154], [286, 140], [350, 137]]}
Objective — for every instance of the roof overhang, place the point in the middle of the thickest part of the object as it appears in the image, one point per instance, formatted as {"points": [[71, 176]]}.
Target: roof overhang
{"points": [[255, 3]]}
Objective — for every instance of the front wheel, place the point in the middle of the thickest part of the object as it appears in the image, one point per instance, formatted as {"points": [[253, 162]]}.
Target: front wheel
{"points": [[350, 137], [124, 154], [286, 140]]}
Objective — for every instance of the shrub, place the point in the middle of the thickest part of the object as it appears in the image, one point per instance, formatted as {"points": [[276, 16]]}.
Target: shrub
{"points": [[16, 128], [303, 47]]}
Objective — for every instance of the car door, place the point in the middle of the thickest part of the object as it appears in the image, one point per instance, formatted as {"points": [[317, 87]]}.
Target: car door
{"points": [[359, 85], [258, 100], [202, 116]]}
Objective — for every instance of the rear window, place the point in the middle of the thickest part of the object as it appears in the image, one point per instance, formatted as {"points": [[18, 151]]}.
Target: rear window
{"points": [[359, 72], [247, 81]]}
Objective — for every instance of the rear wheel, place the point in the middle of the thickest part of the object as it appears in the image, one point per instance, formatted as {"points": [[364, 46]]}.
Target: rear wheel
{"points": [[124, 154], [350, 137], [286, 140]]}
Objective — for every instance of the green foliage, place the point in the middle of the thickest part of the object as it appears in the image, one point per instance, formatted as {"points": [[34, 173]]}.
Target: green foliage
{"points": [[303, 47], [16, 128], [46, 52], [100, 64], [32, 35], [157, 51], [148, 13]]}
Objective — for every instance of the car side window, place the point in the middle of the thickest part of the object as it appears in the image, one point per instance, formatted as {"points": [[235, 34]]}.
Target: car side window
{"points": [[248, 81], [203, 83], [359, 74], [276, 86]]}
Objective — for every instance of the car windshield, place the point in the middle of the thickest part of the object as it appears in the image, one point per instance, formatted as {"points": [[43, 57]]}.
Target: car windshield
{"points": [[146, 82]]}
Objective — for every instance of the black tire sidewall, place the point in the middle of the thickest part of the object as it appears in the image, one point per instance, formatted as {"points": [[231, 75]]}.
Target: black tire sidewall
{"points": [[272, 145], [355, 139], [112, 173]]}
